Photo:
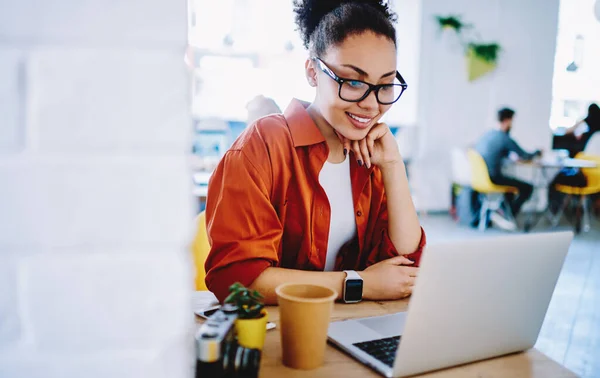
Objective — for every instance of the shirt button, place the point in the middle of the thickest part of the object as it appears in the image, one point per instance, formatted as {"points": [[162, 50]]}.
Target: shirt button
{"points": [[359, 213]]}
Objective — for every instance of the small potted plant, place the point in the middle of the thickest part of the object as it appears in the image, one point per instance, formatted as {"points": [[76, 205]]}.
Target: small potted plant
{"points": [[251, 323]]}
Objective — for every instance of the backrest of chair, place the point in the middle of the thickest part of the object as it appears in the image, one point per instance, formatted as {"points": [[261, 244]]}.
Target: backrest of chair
{"points": [[461, 168], [480, 176], [200, 250], [592, 175]]}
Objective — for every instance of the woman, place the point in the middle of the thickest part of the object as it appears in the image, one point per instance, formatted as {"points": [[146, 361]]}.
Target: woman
{"points": [[322, 189], [574, 176], [592, 122]]}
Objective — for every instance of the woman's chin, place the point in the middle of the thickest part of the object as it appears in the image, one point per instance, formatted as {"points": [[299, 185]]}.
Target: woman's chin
{"points": [[352, 133]]}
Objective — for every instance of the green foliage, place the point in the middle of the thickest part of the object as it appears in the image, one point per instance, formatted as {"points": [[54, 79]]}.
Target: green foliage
{"points": [[249, 302], [453, 22], [488, 52]]}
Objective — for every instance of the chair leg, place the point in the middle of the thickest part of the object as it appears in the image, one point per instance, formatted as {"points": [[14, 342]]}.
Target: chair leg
{"points": [[556, 218], [578, 214], [586, 213], [506, 206], [483, 214]]}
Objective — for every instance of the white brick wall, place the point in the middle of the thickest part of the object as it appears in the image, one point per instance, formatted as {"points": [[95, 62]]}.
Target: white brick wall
{"points": [[95, 193], [84, 22], [11, 98], [122, 100], [85, 200], [10, 325]]}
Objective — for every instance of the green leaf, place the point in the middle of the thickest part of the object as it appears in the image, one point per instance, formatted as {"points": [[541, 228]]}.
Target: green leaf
{"points": [[486, 51], [452, 22], [248, 302]]}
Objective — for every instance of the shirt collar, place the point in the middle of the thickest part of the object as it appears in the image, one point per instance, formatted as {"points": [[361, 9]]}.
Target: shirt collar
{"points": [[303, 129]]}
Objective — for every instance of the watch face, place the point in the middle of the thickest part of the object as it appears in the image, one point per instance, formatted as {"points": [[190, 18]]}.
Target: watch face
{"points": [[354, 290]]}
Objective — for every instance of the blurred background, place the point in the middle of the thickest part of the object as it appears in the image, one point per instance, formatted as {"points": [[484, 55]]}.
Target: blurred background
{"points": [[547, 71], [114, 114]]}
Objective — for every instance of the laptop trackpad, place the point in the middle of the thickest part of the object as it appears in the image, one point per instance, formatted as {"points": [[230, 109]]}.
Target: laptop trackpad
{"points": [[386, 326]]}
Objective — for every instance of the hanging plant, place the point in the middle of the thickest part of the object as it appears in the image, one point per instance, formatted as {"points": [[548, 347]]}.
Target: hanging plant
{"points": [[481, 57], [486, 51], [451, 22]]}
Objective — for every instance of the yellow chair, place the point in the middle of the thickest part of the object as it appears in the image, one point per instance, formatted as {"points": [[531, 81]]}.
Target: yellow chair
{"points": [[582, 194], [492, 195], [200, 249]]}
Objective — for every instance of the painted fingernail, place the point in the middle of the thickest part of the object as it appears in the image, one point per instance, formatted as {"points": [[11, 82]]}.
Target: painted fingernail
{"points": [[360, 163], [345, 151]]}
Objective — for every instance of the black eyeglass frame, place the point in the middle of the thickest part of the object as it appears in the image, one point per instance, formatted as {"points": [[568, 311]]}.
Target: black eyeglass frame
{"points": [[372, 87]]}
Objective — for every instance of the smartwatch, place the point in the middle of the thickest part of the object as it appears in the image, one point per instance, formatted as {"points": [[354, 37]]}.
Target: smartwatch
{"points": [[353, 287]]}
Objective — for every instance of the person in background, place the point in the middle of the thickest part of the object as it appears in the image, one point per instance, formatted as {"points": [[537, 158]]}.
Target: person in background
{"points": [[582, 131], [260, 106], [494, 146], [319, 193], [585, 128]]}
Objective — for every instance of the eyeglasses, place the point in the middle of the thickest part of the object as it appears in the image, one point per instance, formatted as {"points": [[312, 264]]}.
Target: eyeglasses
{"points": [[356, 90]]}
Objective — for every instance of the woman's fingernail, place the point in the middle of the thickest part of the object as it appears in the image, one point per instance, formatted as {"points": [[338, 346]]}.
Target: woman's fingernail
{"points": [[360, 163], [345, 151]]}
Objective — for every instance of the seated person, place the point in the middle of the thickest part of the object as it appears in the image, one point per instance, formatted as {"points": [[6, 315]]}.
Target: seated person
{"points": [[260, 106], [494, 146], [591, 124], [304, 195], [581, 131]]}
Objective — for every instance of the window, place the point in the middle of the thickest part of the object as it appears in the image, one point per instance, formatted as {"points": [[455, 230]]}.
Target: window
{"points": [[576, 76]]}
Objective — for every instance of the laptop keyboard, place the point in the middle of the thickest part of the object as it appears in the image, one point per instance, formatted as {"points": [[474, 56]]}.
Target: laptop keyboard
{"points": [[382, 349]]}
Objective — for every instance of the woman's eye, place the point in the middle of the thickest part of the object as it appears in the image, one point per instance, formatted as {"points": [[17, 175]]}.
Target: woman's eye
{"points": [[356, 84]]}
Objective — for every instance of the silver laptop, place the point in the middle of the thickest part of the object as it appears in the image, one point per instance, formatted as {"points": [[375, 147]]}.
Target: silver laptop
{"points": [[473, 300]]}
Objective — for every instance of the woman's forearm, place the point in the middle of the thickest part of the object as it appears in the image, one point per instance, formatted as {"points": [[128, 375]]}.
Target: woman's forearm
{"points": [[270, 278], [403, 224]]}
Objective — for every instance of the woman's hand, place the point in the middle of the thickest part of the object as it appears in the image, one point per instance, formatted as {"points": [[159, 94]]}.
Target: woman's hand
{"points": [[389, 279], [379, 147]]}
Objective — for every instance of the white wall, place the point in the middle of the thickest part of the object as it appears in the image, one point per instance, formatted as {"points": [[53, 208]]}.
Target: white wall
{"points": [[455, 112], [95, 203]]}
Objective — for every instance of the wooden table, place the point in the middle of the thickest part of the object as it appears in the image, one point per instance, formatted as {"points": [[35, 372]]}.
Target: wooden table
{"points": [[530, 364]]}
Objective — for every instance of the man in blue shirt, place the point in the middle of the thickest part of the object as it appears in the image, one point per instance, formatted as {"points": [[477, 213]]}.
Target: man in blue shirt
{"points": [[496, 145]]}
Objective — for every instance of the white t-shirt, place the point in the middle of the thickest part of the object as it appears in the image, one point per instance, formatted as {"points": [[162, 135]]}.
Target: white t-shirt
{"points": [[335, 180]]}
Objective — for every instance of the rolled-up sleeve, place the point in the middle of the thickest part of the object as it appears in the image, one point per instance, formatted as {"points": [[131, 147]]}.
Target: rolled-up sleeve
{"points": [[385, 248], [382, 246], [243, 228]]}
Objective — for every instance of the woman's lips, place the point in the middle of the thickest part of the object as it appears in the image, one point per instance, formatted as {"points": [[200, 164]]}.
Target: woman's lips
{"points": [[359, 121]]}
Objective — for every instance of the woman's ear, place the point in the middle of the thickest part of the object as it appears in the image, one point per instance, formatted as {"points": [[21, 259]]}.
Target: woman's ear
{"points": [[311, 73]]}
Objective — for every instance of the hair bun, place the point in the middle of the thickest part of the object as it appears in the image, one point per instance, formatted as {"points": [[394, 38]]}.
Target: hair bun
{"points": [[310, 12]]}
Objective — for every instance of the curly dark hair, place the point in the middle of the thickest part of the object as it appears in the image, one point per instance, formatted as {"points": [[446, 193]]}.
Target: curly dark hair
{"points": [[323, 23]]}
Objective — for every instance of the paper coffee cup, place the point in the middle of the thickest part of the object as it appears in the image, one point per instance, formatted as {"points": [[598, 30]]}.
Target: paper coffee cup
{"points": [[304, 312]]}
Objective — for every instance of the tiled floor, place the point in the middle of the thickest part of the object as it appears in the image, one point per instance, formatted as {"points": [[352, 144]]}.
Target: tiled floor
{"points": [[571, 330]]}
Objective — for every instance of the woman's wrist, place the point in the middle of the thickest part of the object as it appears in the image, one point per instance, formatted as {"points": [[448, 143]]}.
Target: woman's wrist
{"points": [[392, 167], [367, 289]]}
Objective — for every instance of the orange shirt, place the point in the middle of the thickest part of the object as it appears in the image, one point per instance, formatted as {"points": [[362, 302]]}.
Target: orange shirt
{"points": [[265, 206]]}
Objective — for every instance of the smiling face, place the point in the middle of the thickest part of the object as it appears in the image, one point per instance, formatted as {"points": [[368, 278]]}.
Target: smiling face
{"points": [[367, 57]]}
